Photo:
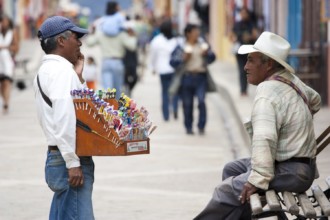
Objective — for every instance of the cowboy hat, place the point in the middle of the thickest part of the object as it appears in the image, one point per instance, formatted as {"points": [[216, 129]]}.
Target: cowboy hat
{"points": [[272, 46]]}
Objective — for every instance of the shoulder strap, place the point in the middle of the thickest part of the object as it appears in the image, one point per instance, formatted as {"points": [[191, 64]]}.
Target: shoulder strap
{"points": [[44, 96], [291, 84]]}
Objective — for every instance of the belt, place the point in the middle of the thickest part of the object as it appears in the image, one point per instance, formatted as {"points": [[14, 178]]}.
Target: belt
{"points": [[195, 72], [54, 148], [305, 160]]}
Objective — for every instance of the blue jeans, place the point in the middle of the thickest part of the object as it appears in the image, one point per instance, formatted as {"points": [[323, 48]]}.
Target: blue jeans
{"points": [[194, 85], [166, 80], [113, 75], [69, 203]]}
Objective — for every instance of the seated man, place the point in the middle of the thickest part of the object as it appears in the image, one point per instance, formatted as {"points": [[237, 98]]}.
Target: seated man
{"points": [[281, 127]]}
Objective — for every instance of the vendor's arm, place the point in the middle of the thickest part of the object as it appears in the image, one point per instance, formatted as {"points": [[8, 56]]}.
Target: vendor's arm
{"points": [[79, 67], [64, 117]]}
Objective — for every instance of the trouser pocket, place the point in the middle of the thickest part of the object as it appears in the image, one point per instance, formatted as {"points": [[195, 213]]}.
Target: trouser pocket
{"points": [[56, 172]]}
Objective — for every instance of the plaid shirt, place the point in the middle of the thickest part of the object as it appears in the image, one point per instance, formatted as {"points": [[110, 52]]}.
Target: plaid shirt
{"points": [[281, 126]]}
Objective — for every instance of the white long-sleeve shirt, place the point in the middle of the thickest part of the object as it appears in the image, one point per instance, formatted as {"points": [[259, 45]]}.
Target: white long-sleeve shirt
{"points": [[57, 78], [160, 53]]}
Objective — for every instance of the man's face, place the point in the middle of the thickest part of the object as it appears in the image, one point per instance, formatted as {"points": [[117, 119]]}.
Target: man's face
{"points": [[72, 48], [256, 70]]}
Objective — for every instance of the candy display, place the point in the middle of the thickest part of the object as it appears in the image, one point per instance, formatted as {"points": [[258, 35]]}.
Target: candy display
{"points": [[118, 122]]}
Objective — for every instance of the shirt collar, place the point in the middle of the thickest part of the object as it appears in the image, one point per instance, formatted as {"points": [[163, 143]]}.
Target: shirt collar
{"points": [[55, 57]]}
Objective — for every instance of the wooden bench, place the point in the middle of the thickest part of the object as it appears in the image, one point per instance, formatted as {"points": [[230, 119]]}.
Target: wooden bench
{"points": [[313, 204]]}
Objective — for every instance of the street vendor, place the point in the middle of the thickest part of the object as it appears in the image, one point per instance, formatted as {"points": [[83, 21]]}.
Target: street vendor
{"points": [[282, 131], [70, 177]]}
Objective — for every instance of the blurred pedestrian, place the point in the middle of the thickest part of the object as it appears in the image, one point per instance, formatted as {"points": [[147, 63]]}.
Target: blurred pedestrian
{"points": [[113, 51], [90, 73], [202, 7], [6, 59], [281, 131], [131, 62], [143, 33], [197, 55], [161, 48], [244, 32], [70, 177], [114, 21]]}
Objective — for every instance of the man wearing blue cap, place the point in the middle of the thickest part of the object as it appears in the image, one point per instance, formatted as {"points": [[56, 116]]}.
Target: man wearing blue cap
{"points": [[69, 176]]}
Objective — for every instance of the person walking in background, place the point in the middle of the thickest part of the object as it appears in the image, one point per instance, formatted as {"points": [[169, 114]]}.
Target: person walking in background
{"points": [[90, 73], [70, 177], [131, 62], [143, 32], [113, 22], [244, 32], [113, 51], [6, 60], [161, 48], [194, 81]]}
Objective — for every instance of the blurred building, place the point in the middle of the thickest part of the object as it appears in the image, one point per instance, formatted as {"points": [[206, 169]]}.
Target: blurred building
{"points": [[304, 23]]}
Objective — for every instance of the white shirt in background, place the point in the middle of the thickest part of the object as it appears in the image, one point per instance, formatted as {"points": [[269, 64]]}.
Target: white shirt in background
{"points": [[6, 61], [160, 53], [90, 72]]}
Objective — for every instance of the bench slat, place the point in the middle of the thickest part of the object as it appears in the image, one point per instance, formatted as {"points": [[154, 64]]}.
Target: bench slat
{"points": [[322, 200], [255, 204], [272, 200], [290, 203], [306, 206]]}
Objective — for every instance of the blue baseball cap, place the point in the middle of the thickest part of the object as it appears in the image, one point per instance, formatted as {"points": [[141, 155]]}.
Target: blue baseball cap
{"points": [[55, 25]]}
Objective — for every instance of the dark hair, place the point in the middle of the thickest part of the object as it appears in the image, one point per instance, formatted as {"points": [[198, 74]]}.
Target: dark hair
{"points": [[111, 8], [166, 29], [10, 22], [189, 28]]}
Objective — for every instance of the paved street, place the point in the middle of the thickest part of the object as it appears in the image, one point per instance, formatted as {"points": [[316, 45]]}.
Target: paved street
{"points": [[174, 182]]}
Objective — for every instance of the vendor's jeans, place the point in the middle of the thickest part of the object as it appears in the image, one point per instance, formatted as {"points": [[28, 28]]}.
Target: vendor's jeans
{"points": [[69, 203], [166, 80], [194, 85], [113, 74]]}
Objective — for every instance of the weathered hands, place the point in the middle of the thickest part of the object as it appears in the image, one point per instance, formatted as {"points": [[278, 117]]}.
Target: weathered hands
{"points": [[76, 177], [247, 191]]}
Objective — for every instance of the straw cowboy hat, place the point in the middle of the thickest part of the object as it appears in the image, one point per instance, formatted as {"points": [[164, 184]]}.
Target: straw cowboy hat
{"points": [[272, 46]]}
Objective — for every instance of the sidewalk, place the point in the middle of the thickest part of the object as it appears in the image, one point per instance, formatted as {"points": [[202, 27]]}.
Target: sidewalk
{"points": [[174, 182]]}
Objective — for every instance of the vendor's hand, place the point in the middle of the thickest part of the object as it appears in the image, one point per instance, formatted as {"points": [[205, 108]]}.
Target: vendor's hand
{"points": [[79, 66], [76, 177], [247, 191]]}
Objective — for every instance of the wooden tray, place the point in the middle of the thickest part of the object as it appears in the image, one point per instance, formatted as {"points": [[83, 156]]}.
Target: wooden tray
{"points": [[95, 138]]}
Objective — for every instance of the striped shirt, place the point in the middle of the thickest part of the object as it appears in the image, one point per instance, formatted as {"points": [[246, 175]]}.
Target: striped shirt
{"points": [[281, 126]]}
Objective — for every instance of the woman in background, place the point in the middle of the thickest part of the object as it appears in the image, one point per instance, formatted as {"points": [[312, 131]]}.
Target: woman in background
{"points": [[161, 48], [197, 55], [6, 60]]}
